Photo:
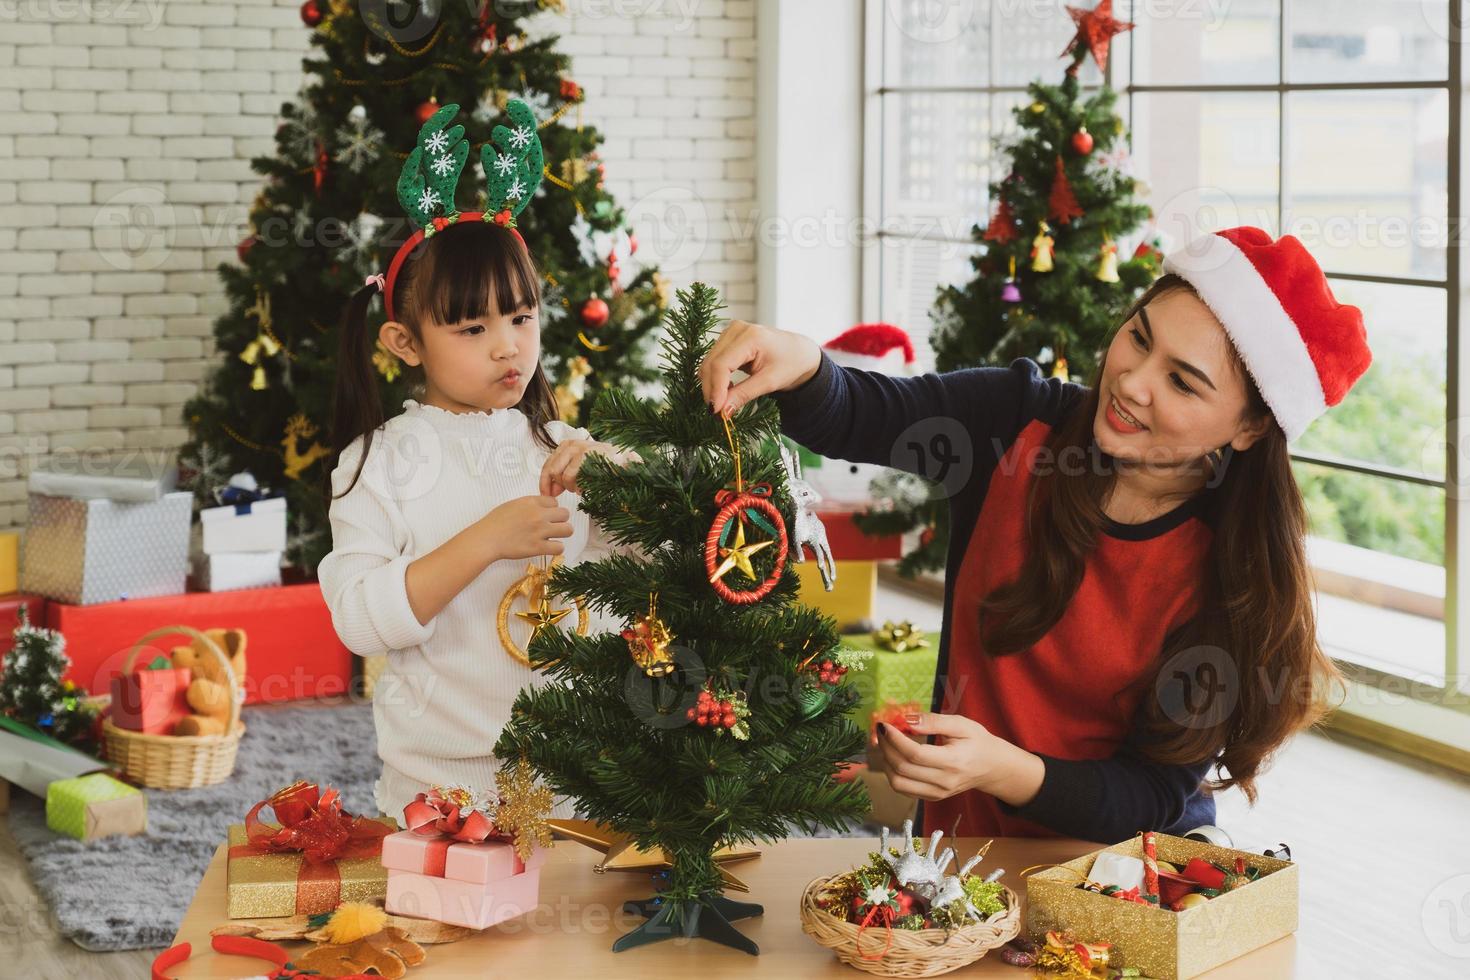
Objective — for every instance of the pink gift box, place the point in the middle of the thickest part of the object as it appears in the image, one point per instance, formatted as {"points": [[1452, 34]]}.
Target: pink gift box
{"points": [[443, 857], [462, 903]]}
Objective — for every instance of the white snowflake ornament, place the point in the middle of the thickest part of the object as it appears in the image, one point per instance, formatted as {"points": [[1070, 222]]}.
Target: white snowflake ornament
{"points": [[519, 137], [428, 199], [504, 165], [441, 165], [439, 142]]}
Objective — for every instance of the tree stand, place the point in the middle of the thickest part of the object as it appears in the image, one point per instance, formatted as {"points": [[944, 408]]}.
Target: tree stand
{"points": [[707, 918]]}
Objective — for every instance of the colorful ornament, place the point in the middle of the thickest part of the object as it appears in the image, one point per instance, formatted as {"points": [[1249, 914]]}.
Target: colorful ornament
{"points": [[1082, 141], [1059, 370], [1041, 249], [1095, 30], [1150, 868], [311, 13], [387, 363], [319, 170], [722, 553], [1107, 266], [264, 345], [648, 641], [532, 585], [299, 427], [242, 251], [426, 110], [806, 527], [1002, 227], [569, 393], [1062, 204], [1010, 292], [595, 312], [722, 710], [570, 90]]}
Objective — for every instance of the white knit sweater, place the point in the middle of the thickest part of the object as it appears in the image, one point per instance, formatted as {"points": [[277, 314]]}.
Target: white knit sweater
{"points": [[448, 684]]}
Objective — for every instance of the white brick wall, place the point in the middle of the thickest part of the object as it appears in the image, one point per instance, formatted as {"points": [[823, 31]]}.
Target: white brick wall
{"points": [[111, 110]]}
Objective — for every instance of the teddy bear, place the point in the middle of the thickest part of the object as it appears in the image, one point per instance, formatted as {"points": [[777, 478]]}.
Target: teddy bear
{"points": [[209, 691]]}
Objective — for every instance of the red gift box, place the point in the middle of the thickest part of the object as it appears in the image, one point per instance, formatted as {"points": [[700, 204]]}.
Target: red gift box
{"points": [[150, 701], [10, 604], [850, 544], [294, 652]]}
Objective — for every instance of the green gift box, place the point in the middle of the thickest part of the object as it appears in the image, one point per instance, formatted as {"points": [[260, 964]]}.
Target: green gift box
{"points": [[95, 805], [900, 676]]}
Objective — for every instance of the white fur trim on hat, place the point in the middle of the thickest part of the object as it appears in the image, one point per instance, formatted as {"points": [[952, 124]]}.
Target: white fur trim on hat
{"points": [[1267, 338]]}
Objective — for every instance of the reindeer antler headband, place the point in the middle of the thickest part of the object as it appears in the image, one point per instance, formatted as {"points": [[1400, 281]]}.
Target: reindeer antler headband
{"points": [[512, 161]]}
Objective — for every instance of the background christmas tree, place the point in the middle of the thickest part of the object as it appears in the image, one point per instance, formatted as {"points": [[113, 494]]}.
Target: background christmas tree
{"points": [[1048, 283], [730, 726], [33, 693], [329, 216]]}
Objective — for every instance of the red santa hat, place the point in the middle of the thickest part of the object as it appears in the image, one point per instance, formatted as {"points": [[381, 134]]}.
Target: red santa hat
{"points": [[1302, 347], [873, 347]]}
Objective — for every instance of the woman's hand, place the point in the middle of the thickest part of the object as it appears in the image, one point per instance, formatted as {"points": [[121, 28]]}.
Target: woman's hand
{"points": [[559, 472], [965, 756], [775, 360]]}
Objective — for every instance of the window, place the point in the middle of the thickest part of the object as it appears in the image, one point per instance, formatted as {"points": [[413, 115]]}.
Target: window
{"points": [[943, 77], [1331, 120]]}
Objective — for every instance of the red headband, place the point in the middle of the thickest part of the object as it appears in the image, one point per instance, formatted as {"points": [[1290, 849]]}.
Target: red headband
{"points": [[385, 283]]}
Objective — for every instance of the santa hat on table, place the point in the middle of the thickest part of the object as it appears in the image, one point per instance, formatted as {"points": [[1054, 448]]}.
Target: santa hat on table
{"points": [[1302, 347], [873, 347]]}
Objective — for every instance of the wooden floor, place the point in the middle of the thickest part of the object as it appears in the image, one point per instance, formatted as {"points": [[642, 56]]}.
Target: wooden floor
{"points": [[1384, 844]]}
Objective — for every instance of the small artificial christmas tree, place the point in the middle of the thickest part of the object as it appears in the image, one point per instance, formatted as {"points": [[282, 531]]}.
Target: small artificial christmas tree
{"points": [[718, 717], [33, 693], [1049, 284]]}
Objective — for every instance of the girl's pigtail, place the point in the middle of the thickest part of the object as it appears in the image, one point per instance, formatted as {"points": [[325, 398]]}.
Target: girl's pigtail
{"points": [[357, 408]]}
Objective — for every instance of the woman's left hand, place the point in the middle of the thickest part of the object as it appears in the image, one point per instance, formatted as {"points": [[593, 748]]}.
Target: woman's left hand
{"points": [[965, 756], [559, 472]]}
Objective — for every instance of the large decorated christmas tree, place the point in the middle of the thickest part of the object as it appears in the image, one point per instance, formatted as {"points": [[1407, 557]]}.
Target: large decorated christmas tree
{"points": [[328, 217], [1049, 283], [717, 717]]}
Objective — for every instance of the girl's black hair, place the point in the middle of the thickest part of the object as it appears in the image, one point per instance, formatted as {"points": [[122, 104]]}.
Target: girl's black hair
{"points": [[456, 275]]}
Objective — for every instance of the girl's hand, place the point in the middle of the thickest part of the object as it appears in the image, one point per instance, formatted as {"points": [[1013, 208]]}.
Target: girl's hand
{"points": [[559, 472], [775, 360], [527, 526], [964, 756]]}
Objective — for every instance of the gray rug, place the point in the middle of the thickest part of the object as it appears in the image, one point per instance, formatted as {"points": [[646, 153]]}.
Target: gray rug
{"points": [[132, 892]]}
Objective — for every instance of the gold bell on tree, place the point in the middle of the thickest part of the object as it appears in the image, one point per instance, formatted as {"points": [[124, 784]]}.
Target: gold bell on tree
{"points": [[1107, 266], [1041, 249]]}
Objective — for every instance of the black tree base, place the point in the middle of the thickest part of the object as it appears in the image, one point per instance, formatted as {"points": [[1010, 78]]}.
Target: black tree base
{"points": [[707, 918]]}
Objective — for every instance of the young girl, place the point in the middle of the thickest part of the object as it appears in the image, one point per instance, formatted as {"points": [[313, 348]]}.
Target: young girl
{"points": [[1128, 605], [439, 511]]}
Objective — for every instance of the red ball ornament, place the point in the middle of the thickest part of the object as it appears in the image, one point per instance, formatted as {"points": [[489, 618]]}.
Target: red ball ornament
{"points": [[426, 110], [1082, 141], [311, 13], [632, 244], [243, 249], [595, 312]]}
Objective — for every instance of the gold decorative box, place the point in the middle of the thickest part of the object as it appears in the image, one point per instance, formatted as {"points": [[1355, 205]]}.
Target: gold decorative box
{"points": [[262, 884], [1164, 944]]}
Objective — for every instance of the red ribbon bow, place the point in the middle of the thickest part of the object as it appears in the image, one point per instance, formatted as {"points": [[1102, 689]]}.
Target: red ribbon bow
{"points": [[727, 494], [450, 813], [313, 823]]}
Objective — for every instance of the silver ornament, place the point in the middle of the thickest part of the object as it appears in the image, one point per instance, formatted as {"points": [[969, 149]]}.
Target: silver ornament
{"points": [[807, 527]]}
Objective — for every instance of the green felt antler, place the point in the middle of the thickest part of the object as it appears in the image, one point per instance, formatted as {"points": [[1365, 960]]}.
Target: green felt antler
{"points": [[430, 175], [513, 161]]}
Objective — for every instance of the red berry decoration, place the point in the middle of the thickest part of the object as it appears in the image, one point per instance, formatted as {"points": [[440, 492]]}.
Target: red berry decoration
{"points": [[311, 13], [729, 721], [595, 312], [426, 110], [1082, 141]]}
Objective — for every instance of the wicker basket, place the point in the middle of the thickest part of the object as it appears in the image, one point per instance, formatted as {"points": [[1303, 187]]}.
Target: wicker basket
{"points": [[177, 761], [915, 952]]}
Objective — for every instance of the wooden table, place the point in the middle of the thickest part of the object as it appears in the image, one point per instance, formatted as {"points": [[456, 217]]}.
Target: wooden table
{"points": [[571, 933]]}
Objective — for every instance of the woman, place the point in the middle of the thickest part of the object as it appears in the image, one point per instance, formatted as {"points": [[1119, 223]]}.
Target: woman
{"points": [[1152, 618]]}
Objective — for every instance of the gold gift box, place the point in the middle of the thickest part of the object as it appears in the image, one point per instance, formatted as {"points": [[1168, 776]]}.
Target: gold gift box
{"points": [[280, 884], [1164, 944]]}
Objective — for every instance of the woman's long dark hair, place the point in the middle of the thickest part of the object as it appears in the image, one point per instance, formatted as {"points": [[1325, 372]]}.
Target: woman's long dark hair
{"points": [[1255, 602], [456, 275]]}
